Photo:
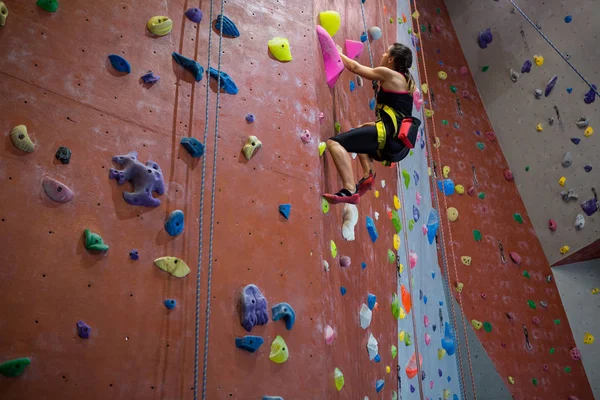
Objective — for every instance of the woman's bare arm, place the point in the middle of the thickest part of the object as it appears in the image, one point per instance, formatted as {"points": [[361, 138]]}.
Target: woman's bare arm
{"points": [[373, 74]]}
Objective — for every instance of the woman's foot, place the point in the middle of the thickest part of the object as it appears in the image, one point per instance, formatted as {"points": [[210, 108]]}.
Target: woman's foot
{"points": [[365, 184], [343, 196]]}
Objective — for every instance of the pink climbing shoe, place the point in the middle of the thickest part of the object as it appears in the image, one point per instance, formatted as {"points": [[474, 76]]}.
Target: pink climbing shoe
{"points": [[365, 184], [343, 196]]}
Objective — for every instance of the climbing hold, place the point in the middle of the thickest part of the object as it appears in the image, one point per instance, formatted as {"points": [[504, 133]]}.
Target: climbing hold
{"points": [[364, 37], [170, 303], [575, 140], [428, 113], [453, 88], [514, 75], [93, 241], [21, 139], [48, 5], [194, 14], [15, 367], [565, 249], [395, 305], [582, 122], [63, 154], [134, 254], [536, 321], [352, 86], [552, 225], [442, 75], [569, 195], [372, 347], [476, 235], [119, 63], [487, 327], [391, 257], [175, 223], [511, 380], [145, 178], [427, 339], [441, 353], [538, 60], [173, 265], [371, 229], [375, 32], [343, 290], [250, 118], [406, 300], [588, 338], [193, 66], [325, 265], [353, 49], [337, 127], [396, 221], [57, 191], [379, 385], [517, 217], [587, 168], [526, 275], [459, 287], [226, 26], [589, 131], [448, 341], [466, 260], [333, 248], [591, 206], [279, 351], [280, 48], [526, 67], [452, 214], [417, 99], [531, 304], [329, 335], [225, 81], [447, 186], [338, 378], [331, 21], [286, 312], [345, 261], [590, 95], [150, 78], [568, 19], [562, 181], [254, 307], [575, 354], [485, 68], [251, 146], [192, 146], [248, 342], [3, 13], [460, 189], [365, 316], [539, 127], [579, 222], [550, 85], [476, 324], [83, 330], [160, 25], [567, 160], [331, 57], [484, 38], [371, 300], [480, 146], [416, 213], [515, 257], [285, 209], [595, 291], [412, 259], [445, 171]]}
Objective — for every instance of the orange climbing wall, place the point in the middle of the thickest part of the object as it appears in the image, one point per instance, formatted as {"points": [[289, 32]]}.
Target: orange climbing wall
{"points": [[506, 288], [55, 78]]}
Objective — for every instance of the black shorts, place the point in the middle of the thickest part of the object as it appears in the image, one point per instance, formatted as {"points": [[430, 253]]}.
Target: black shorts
{"points": [[364, 141]]}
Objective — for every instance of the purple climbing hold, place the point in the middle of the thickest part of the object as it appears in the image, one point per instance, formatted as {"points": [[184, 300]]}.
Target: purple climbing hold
{"points": [[590, 96], [575, 140], [150, 78], [526, 66], [590, 206], [254, 307], [422, 375], [550, 85], [412, 389], [440, 372], [145, 178], [250, 118], [587, 168], [485, 38], [416, 213], [134, 254], [345, 261], [416, 176], [83, 330], [194, 14]]}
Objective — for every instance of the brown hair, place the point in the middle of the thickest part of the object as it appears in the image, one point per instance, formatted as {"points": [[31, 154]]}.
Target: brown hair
{"points": [[403, 60]]}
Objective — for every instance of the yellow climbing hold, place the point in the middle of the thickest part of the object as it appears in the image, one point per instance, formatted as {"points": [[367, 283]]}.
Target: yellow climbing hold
{"points": [[446, 394], [173, 265], [396, 202], [396, 241], [460, 189], [441, 354], [333, 248], [538, 60], [324, 206], [428, 171], [562, 181], [565, 249], [279, 351], [595, 290], [252, 145], [338, 377], [322, 147], [388, 369], [376, 194], [331, 21], [21, 139], [428, 113], [511, 380], [539, 127], [588, 338], [424, 88], [3, 14], [459, 287], [442, 75], [446, 171], [401, 336], [589, 131], [400, 268], [160, 25], [437, 143], [466, 260], [452, 214], [280, 48], [416, 14], [402, 313], [476, 324]]}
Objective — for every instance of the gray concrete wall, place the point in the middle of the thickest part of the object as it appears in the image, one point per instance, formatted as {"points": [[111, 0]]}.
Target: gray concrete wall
{"points": [[574, 282], [514, 111]]}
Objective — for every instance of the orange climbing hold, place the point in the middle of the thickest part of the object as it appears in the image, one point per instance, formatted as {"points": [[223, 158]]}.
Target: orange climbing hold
{"points": [[403, 18], [411, 367], [406, 301]]}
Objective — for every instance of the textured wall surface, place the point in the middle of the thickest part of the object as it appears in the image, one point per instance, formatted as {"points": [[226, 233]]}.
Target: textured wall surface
{"points": [[494, 285], [56, 79], [514, 111]]}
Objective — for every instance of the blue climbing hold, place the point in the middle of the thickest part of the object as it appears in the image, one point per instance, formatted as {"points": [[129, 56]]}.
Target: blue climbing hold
{"points": [[134, 254], [175, 222], [196, 69], [379, 385], [249, 343], [119, 63], [150, 78], [569, 89], [226, 26], [433, 223], [363, 37], [371, 229], [416, 177], [448, 341], [170, 303], [352, 86], [193, 146], [449, 379], [272, 398], [363, 265], [441, 303], [434, 327], [440, 373], [285, 311], [343, 290], [372, 104], [412, 389], [433, 275], [371, 300], [575, 140], [568, 19], [454, 396], [425, 299], [446, 186], [416, 213], [285, 209], [377, 358], [226, 82]]}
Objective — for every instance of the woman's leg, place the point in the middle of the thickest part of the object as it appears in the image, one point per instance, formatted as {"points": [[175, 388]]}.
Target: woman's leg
{"points": [[342, 161], [366, 163]]}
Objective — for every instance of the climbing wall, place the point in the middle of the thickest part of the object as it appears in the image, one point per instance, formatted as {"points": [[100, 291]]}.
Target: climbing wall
{"points": [[492, 257], [536, 157], [57, 80]]}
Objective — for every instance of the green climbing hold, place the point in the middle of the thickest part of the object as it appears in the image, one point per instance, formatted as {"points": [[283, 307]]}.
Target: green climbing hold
{"points": [[487, 327], [481, 195], [407, 340], [445, 122], [557, 322], [552, 350], [527, 168], [406, 178], [567, 369], [338, 127], [480, 146], [453, 88], [410, 31], [391, 20], [324, 206], [476, 235], [411, 225], [395, 309], [423, 28], [485, 68], [518, 218], [438, 10], [391, 256], [93, 241], [48, 5], [534, 381], [526, 274], [411, 152], [12, 368], [394, 352], [396, 221], [531, 304]]}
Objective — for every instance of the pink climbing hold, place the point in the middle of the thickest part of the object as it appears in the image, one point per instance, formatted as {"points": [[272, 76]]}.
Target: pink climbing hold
{"points": [[412, 259], [427, 339], [508, 175], [345, 261], [331, 57], [426, 321], [305, 136], [425, 229], [536, 321], [545, 367], [329, 335], [471, 191], [465, 93], [483, 296], [575, 354], [417, 99], [463, 70], [321, 117], [491, 136], [438, 28], [418, 198], [353, 48], [515, 257], [430, 384], [552, 225]]}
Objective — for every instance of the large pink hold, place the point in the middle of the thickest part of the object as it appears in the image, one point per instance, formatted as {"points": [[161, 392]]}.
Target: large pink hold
{"points": [[417, 99], [427, 339], [412, 259], [331, 57], [515, 257], [353, 48]]}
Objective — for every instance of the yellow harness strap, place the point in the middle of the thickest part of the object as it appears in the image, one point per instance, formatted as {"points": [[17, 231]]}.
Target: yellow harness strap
{"points": [[381, 131]]}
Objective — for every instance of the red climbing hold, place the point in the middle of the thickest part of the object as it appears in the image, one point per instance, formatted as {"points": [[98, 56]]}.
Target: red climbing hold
{"points": [[552, 225], [471, 191], [491, 136], [508, 175], [463, 70], [406, 301], [515, 257]]}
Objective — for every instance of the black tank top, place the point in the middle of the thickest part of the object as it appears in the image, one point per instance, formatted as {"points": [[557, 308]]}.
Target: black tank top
{"points": [[401, 102]]}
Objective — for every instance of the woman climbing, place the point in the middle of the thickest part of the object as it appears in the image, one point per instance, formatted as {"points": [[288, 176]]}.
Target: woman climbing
{"points": [[375, 140]]}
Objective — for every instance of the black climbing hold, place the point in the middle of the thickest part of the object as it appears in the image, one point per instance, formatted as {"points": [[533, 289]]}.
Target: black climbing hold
{"points": [[193, 146], [249, 343], [63, 154], [285, 311], [285, 209]]}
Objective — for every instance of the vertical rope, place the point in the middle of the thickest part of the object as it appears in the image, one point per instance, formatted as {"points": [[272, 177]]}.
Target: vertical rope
{"points": [[362, 9]]}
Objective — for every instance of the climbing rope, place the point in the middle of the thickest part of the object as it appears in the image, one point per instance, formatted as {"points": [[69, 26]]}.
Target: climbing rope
{"points": [[362, 9], [441, 235], [554, 47]]}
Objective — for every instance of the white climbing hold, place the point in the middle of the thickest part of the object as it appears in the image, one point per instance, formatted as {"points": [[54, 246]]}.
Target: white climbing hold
{"points": [[579, 222], [514, 75], [365, 316], [325, 265], [376, 214], [382, 183], [372, 347], [350, 217]]}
